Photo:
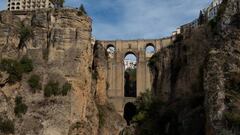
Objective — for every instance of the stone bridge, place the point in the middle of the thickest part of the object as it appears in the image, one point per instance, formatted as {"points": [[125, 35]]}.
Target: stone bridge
{"points": [[115, 71]]}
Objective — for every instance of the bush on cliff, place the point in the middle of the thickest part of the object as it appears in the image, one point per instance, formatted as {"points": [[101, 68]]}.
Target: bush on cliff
{"points": [[146, 104], [233, 118], [20, 107], [25, 33], [149, 118], [26, 64], [152, 61], [180, 117], [53, 89], [66, 88], [33, 82], [82, 11], [15, 69], [6, 126]]}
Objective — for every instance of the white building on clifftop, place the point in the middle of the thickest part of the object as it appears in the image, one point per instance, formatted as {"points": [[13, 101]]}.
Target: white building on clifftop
{"points": [[26, 5], [212, 10]]}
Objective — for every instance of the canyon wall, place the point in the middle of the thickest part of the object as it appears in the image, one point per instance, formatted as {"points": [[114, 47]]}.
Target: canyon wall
{"points": [[61, 51], [197, 78]]}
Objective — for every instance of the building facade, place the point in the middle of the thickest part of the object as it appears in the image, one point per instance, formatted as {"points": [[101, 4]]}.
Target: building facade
{"points": [[28, 5], [130, 64], [212, 10]]}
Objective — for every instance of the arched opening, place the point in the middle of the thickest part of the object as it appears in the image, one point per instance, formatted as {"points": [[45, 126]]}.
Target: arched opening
{"points": [[130, 75], [129, 111], [111, 51], [150, 50]]}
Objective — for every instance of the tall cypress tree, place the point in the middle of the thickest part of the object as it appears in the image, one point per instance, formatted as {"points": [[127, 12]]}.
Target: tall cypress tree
{"points": [[82, 9], [201, 18]]}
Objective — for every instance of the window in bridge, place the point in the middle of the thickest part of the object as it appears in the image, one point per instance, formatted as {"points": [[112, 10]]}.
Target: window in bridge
{"points": [[130, 75], [111, 51], [129, 111], [150, 50]]}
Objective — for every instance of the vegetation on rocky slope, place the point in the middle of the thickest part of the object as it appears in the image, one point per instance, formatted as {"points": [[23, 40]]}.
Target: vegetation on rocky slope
{"points": [[53, 89], [20, 106], [34, 82], [6, 126], [155, 117], [16, 69], [25, 33]]}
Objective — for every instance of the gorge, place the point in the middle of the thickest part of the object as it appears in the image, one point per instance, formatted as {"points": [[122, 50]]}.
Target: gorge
{"points": [[55, 80]]}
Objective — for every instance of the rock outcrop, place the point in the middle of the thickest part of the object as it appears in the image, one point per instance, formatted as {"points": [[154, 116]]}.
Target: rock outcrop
{"points": [[61, 50], [178, 83], [198, 78], [107, 125]]}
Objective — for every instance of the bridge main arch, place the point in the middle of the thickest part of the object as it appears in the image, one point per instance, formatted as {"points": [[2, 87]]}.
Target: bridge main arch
{"points": [[130, 75]]}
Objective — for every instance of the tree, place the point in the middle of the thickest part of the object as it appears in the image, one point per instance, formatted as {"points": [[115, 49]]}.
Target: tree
{"points": [[201, 18], [57, 3], [82, 9], [25, 33]]}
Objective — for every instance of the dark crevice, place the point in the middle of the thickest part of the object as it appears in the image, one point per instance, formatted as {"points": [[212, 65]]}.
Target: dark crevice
{"points": [[129, 111]]}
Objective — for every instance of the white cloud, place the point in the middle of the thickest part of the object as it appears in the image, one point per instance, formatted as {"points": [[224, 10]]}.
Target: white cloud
{"points": [[150, 18]]}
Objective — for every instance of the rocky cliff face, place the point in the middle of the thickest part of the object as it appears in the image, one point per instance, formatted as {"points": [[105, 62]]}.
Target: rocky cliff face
{"points": [[221, 74], [178, 83], [61, 50], [198, 79], [110, 122]]}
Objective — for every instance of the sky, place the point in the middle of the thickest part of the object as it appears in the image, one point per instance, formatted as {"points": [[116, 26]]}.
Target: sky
{"points": [[136, 19]]}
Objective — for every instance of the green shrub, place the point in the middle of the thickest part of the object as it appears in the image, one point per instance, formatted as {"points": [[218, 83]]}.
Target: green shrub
{"points": [[25, 33], [66, 88], [233, 118], [52, 88], [15, 69], [101, 116], [141, 116], [48, 91], [20, 107], [152, 61], [33, 82], [6, 64], [6, 126], [82, 10], [26, 64]]}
